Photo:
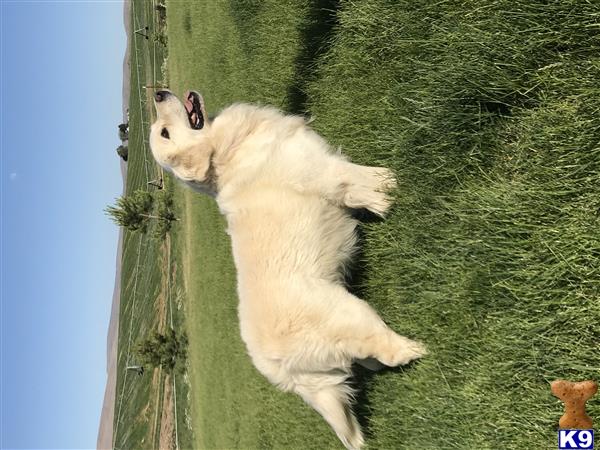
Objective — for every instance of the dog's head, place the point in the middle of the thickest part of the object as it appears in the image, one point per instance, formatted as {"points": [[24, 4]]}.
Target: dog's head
{"points": [[180, 138]]}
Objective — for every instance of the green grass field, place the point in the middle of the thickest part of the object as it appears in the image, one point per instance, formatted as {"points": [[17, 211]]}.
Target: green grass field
{"points": [[151, 294], [488, 112]]}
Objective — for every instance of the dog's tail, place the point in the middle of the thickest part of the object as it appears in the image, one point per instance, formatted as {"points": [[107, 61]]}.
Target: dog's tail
{"points": [[332, 397]]}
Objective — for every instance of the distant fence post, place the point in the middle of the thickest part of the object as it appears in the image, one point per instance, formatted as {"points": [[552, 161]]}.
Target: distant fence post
{"points": [[142, 32], [157, 183], [138, 369]]}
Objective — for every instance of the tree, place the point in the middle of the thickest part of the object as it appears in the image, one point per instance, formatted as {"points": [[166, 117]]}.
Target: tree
{"points": [[168, 350], [124, 131], [123, 151], [164, 209], [134, 211]]}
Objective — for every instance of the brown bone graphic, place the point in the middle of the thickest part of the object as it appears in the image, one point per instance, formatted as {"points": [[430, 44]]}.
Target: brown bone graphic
{"points": [[574, 396]]}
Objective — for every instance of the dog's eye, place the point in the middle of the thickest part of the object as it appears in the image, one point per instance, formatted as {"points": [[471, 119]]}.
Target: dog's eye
{"points": [[164, 133]]}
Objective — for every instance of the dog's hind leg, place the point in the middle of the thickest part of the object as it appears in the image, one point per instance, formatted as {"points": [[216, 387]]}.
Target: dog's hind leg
{"points": [[361, 334]]}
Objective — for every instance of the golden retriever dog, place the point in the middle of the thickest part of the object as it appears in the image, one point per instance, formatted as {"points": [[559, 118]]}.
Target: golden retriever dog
{"points": [[286, 197]]}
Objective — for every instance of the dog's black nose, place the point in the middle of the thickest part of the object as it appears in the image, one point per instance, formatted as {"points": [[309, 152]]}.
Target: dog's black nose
{"points": [[159, 96]]}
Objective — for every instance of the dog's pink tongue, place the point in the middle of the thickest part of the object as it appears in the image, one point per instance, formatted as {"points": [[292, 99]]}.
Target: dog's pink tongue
{"points": [[188, 106], [188, 103]]}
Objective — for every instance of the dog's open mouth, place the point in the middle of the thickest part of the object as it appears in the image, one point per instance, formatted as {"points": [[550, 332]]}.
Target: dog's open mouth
{"points": [[193, 106]]}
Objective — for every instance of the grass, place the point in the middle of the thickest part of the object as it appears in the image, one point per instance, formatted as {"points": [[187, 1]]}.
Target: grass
{"points": [[488, 113], [151, 286]]}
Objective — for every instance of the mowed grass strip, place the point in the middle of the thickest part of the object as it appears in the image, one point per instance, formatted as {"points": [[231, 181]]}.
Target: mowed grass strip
{"points": [[488, 112]]}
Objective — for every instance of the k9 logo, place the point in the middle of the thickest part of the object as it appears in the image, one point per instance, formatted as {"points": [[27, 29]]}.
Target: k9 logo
{"points": [[569, 439]]}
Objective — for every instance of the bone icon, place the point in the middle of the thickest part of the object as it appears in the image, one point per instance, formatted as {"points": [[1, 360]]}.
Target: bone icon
{"points": [[574, 396]]}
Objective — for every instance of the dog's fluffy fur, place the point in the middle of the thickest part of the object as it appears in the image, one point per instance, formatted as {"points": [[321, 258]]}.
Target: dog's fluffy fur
{"points": [[285, 195]]}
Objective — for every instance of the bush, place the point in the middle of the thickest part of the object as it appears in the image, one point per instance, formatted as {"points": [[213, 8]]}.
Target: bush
{"points": [[161, 12]]}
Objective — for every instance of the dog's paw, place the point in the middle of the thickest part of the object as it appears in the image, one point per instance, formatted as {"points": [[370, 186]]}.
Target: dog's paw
{"points": [[372, 190], [378, 203], [402, 351], [381, 182], [387, 179]]}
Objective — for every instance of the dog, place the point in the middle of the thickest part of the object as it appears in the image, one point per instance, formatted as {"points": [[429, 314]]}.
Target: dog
{"points": [[287, 196]]}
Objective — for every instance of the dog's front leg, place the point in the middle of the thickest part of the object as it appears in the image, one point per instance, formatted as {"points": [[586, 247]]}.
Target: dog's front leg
{"points": [[330, 175], [356, 186], [366, 187]]}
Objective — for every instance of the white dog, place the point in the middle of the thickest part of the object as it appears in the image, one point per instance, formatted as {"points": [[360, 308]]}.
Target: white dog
{"points": [[285, 196]]}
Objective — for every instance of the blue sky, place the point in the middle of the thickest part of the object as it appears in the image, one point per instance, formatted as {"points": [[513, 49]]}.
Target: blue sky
{"points": [[60, 104]]}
